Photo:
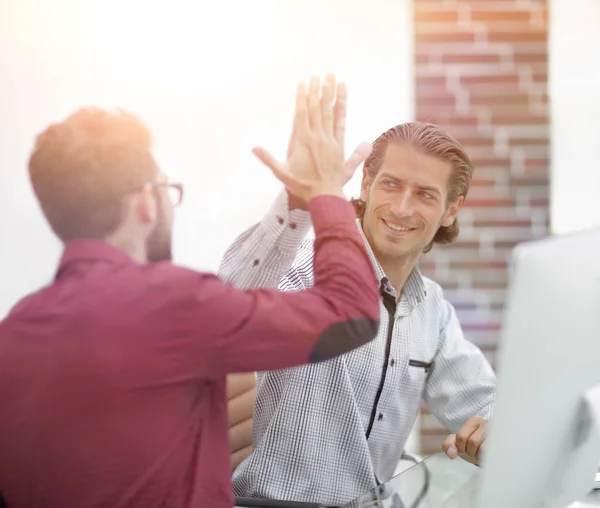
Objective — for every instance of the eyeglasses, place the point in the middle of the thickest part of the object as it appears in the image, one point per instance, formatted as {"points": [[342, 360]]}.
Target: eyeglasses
{"points": [[174, 191]]}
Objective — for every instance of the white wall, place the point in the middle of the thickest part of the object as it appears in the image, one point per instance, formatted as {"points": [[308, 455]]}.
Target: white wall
{"points": [[211, 82], [575, 108]]}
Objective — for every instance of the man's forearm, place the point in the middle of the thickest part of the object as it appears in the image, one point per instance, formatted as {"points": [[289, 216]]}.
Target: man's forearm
{"points": [[262, 255]]}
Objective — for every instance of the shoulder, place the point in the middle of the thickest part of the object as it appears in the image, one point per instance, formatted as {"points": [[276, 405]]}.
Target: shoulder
{"points": [[433, 289], [438, 307], [169, 283]]}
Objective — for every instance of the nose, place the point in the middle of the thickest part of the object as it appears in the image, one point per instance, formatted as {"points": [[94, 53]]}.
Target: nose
{"points": [[402, 204]]}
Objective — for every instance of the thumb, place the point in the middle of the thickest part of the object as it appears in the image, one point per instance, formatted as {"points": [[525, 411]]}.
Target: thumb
{"points": [[449, 446], [273, 164], [361, 152]]}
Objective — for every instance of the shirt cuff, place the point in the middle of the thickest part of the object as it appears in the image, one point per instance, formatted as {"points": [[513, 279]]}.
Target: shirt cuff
{"points": [[288, 227]]}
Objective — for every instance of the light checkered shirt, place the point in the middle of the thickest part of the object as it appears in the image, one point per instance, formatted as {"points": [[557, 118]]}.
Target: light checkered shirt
{"points": [[328, 432]]}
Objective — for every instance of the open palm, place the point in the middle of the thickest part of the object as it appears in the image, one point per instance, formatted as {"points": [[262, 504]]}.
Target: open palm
{"points": [[315, 155]]}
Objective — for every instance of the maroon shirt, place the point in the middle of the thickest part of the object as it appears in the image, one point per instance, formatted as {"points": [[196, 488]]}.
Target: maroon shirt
{"points": [[112, 379]]}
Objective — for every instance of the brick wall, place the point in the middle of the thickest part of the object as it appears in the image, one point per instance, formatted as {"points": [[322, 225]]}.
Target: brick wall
{"points": [[481, 73]]}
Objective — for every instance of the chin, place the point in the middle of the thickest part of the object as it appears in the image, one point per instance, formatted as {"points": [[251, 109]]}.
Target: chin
{"points": [[396, 247]]}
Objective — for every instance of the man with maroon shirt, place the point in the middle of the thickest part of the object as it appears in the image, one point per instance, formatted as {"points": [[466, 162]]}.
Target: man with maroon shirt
{"points": [[112, 378]]}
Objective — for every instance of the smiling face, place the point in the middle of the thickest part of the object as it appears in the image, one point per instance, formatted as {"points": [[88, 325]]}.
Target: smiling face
{"points": [[407, 201]]}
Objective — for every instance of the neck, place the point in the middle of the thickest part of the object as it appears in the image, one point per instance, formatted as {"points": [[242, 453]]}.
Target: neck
{"points": [[397, 270], [135, 250]]}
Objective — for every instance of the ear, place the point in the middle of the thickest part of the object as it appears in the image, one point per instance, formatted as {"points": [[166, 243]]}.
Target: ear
{"points": [[145, 206], [452, 212], [364, 186]]}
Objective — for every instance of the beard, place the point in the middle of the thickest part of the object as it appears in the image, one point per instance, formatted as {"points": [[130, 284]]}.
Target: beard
{"points": [[158, 244]]}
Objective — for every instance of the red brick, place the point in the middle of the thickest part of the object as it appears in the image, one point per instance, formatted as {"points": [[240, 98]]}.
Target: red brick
{"points": [[480, 326], [479, 182], [461, 244], [433, 432], [488, 203], [467, 58], [512, 99], [435, 96], [474, 306], [435, 15], [478, 265], [502, 224], [423, 58], [497, 79], [507, 117], [517, 36], [489, 285], [432, 81], [447, 120], [538, 203], [489, 159], [530, 179], [530, 58], [511, 16], [537, 142], [535, 164], [499, 111], [444, 37]]}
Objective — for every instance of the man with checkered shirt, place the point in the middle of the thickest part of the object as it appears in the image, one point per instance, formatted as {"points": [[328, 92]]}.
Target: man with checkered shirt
{"points": [[329, 432]]}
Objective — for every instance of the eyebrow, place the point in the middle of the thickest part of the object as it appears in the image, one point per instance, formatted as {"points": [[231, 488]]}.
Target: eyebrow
{"points": [[426, 188]]}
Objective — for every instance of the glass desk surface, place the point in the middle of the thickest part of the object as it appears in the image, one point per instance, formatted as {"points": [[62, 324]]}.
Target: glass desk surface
{"points": [[436, 482]]}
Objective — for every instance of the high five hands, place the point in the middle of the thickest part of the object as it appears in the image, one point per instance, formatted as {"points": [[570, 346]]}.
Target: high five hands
{"points": [[315, 161]]}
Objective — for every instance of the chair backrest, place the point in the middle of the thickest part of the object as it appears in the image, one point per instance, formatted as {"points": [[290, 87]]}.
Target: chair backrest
{"points": [[241, 396]]}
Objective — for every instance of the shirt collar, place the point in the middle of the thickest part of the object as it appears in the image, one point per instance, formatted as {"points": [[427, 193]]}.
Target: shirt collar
{"points": [[414, 287], [90, 249]]}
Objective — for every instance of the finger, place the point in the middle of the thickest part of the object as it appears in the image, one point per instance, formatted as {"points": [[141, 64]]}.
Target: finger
{"points": [[480, 451], [327, 103], [475, 441], [301, 123], [465, 457], [361, 152], [314, 105], [274, 165], [339, 112], [463, 435], [449, 446]]}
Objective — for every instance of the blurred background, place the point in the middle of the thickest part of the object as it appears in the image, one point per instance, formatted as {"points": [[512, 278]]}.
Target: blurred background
{"points": [[516, 81]]}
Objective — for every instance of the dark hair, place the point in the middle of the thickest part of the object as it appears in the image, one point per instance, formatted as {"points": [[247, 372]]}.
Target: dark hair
{"points": [[433, 141], [81, 168]]}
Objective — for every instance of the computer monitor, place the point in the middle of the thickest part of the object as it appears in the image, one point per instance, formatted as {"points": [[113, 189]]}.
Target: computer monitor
{"points": [[543, 449]]}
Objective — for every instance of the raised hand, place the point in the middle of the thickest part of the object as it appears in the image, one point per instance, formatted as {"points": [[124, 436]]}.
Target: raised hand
{"points": [[315, 163]]}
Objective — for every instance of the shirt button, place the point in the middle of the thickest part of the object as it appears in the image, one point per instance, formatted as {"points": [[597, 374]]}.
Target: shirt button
{"points": [[256, 261], [280, 220], [392, 362], [380, 417], [293, 225]]}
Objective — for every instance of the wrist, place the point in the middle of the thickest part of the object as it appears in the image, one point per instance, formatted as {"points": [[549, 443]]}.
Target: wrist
{"points": [[296, 203], [328, 191]]}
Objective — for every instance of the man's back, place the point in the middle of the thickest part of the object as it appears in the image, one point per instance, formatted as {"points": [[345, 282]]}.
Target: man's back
{"points": [[86, 384], [113, 378]]}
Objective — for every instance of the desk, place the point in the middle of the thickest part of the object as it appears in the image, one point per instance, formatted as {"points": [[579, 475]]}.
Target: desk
{"points": [[452, 484]]}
